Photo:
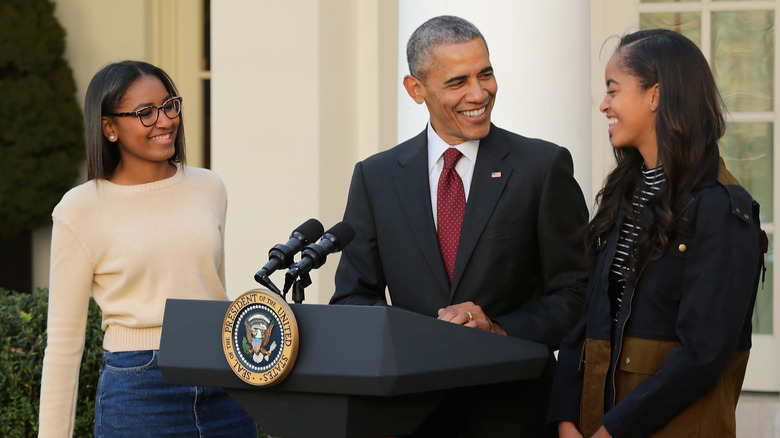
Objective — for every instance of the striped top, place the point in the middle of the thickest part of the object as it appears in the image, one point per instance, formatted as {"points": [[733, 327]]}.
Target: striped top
{"points": [[629, 234]]}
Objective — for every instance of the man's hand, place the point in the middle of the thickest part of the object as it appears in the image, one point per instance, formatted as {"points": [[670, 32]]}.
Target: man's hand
{"points": [[470, 315]]}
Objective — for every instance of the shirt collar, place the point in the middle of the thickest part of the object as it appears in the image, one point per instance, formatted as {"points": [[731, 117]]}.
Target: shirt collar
{"points": [[437, 146]]}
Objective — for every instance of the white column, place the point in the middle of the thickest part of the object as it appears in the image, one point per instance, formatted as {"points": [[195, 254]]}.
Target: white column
{"points": [[540, 52], [265, 126], [301, 91]]}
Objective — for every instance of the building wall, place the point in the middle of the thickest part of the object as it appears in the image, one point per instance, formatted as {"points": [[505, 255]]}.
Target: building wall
{"points": [[299, 94]]}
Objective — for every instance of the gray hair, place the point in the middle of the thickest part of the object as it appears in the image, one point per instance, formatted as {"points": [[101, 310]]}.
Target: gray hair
{"points": [[444, 29]]}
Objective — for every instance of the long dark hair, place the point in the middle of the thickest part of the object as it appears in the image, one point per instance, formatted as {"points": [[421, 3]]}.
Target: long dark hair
{"points": [[688, 123], [104, 94]]}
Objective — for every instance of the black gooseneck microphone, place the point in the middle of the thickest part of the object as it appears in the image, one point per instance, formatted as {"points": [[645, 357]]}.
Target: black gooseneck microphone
{"points": [[281, 256], [314, 255]]}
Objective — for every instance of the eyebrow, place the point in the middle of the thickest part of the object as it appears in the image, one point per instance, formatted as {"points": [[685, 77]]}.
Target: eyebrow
{"points": [[462, 77], [612, 81], [148, 104]]}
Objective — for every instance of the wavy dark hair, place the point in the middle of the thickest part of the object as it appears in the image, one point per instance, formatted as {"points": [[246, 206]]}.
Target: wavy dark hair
{"points": [[688, 123], [104, 94]]}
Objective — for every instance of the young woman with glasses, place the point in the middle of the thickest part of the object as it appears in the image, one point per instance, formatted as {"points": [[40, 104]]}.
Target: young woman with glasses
{"points": [[142, 229]]}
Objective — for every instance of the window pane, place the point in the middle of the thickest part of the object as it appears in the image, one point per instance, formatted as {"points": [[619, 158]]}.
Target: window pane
{"points": [[762, 313], [747, 150], [686, 23], [743, 58]]}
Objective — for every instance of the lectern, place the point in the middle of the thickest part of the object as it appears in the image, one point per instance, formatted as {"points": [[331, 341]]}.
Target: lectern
{"points": [[361, 371]]}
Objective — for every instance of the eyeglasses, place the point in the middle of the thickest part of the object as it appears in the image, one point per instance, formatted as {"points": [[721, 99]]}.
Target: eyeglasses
{"points": [[148, 116]]}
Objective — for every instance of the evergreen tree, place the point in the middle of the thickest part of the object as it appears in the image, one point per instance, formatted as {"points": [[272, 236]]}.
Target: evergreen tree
{"points": [[41, 132]]}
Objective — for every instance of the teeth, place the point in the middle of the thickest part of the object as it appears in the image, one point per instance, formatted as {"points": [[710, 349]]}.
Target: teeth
{"points": [[612, 121], [474, 113], [162, 137]]}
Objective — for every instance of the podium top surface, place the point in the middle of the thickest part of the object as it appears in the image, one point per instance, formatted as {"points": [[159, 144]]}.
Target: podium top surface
{"points": [[356, 350]]}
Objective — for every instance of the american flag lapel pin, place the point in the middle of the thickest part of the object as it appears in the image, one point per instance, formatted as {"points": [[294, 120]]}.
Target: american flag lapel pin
{"points": [[495, 175]]}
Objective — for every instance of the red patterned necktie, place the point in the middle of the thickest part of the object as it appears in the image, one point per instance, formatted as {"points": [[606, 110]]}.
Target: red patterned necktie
{"points": [[450, 205]]}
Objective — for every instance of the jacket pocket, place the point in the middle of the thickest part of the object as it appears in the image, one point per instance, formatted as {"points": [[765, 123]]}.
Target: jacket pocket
{"points": [[639, 360]]}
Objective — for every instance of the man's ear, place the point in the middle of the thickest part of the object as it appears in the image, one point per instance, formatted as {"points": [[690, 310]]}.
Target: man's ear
{"points": [[415, 88]]}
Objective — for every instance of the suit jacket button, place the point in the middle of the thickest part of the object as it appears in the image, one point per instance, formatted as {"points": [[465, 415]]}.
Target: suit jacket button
{"points": [[628, 360], [682, 247]]}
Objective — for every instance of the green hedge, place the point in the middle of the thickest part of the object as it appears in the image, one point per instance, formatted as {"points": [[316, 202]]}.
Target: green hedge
{"points": [[21, 359]]}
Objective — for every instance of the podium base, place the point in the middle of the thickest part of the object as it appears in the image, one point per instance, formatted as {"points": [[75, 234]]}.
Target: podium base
{"points": [[336, 416]]}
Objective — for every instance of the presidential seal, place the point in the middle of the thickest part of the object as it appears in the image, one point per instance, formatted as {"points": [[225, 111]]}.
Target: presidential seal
{"points": [[260, 337]]}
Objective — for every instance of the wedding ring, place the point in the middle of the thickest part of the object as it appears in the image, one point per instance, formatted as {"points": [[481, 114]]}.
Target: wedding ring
{"points": [[471, 318]]}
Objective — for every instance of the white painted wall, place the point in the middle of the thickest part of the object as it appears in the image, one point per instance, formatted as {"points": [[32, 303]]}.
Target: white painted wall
{"points": [[264, 126], [300, 93]]}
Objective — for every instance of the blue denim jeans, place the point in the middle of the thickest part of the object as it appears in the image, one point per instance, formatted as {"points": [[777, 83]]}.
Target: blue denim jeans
{"points": [[134, 400]]}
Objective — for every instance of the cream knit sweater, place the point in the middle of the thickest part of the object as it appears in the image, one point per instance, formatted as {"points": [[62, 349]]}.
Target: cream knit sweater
{"points": [[131, 248]]}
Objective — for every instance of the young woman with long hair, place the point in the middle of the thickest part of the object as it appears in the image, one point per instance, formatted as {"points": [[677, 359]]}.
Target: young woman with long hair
{"points": [[662, 346]]}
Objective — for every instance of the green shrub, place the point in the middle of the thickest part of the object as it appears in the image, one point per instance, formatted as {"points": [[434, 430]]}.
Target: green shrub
{"points": [[21, 359]]}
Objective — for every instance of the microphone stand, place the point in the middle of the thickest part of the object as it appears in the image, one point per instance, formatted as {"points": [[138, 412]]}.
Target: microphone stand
{"points": [[298, 283], [298, 286]]}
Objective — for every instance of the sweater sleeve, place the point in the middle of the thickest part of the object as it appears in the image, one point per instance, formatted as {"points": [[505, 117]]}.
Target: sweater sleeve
{"points": [[69, 293], [223, 200]]}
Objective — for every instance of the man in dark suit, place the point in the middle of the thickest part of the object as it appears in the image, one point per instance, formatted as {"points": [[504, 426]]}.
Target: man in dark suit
{"points": [[508, 262]]}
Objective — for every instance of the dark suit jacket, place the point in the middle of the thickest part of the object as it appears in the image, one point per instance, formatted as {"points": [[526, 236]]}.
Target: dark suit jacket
{"points": [[518, 256]]}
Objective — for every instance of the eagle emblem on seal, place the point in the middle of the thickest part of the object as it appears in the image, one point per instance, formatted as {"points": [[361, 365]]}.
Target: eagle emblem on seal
{"points": [[258, 335]]}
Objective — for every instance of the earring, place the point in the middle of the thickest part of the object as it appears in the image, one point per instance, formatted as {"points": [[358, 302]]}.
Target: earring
{"points": [[111, 137]]}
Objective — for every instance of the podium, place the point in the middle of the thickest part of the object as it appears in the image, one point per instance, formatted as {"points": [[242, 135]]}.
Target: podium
{"points": [[361, 371]]}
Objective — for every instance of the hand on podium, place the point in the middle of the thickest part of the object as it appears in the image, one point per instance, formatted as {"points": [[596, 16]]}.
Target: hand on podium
{"points": [[470, 315]]}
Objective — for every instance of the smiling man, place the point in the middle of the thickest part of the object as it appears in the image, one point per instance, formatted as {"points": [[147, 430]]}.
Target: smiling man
{"points": [[471, 224]]}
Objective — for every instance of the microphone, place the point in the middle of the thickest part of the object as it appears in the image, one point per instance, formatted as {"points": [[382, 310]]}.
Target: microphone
{"points": [[281, 256], [314, 255]]}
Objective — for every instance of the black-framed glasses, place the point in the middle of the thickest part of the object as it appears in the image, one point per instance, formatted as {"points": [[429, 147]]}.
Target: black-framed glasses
{"points": [[148, 116]]}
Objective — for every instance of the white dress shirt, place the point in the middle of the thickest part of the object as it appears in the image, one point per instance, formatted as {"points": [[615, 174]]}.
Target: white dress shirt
{"points": [[465, 166]]}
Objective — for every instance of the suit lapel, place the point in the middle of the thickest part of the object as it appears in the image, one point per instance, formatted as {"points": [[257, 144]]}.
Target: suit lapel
{"points": [[413, 191], [490, 177]]}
